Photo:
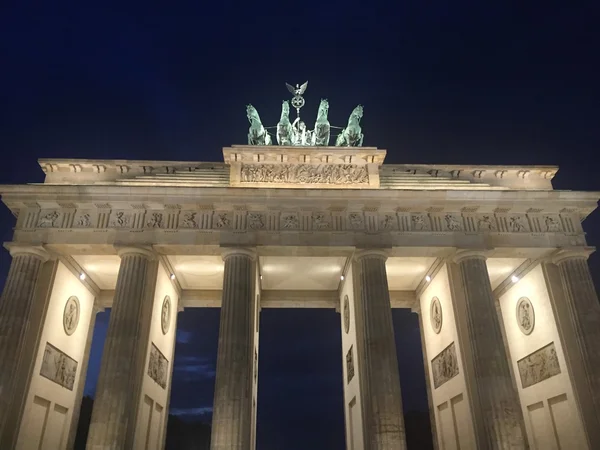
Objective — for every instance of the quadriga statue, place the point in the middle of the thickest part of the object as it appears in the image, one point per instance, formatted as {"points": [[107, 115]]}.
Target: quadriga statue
{"points": [[257, 135], [352, 136]]}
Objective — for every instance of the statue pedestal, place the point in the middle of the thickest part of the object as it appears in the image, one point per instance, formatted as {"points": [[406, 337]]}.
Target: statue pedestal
{"points": [[304, 167]]}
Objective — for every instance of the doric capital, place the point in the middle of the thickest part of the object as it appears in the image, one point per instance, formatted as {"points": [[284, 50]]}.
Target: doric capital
{"points": [[464, 254], [377, 253], [134, 250], [32, 250], [226, 252], [566, 254]]}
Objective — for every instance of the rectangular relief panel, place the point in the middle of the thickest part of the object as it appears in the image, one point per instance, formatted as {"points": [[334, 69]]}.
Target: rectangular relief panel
{"points": [[58, 367], [56, 431], [538, 366], [37, 423], [446, 427], [351, 425], [158, 367], [444, 366], [350, 364]]}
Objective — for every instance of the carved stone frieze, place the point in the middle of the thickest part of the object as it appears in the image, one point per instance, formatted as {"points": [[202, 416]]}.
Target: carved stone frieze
{"points": [[486, 222], [320, 221], [188, 219], [58, 367], [120, 219], [256, 221], [304, 174], [158, 367], [290, 221], [83, 219], [49, 219], [420, 222], [356, 221], [387, 222], [539, 366], [444, 366], [222, 220], [452, 222], [155, 220]]}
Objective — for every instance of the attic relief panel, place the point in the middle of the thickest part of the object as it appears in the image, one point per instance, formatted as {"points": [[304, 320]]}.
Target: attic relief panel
{"points": [[304, 174]]}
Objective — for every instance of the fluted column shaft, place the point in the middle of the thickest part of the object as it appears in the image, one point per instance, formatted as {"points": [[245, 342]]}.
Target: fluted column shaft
{"points": [[15, 309], [497, 415], [583, 317], [384, 420], [121, 371], [232, 409]]}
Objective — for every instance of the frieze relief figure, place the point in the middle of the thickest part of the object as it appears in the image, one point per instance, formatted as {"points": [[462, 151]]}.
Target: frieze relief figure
{"points": [[290, 222], [552, 224], [356, 220], [189, 220], [84, 220], [222, 220], [120, 220], [320, 221], [452, 223], [419, 223], [49, 220], [486, 223], [255, 221], [387, 222], [516, 224], [155, 221]]}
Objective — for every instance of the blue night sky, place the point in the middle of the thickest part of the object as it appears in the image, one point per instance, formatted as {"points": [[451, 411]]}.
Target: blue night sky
{"points": [[460, 82]]}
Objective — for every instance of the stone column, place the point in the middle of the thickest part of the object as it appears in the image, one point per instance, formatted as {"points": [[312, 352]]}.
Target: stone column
{"points": [[380, 380], [497, 415], [15, 311], [122, 369], [434, 436], [577, 312], [232, 409]]}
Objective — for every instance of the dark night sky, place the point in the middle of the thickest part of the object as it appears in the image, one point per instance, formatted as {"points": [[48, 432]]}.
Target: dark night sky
{"points": [[441, 82]]}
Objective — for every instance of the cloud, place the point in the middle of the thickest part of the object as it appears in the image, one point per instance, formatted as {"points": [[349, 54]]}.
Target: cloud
{"points": [[194, 368], [184, 337], [192, 412]]}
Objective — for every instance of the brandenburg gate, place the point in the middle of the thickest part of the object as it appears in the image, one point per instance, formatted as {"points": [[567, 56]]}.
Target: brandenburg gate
{"points": [[491, 258]]}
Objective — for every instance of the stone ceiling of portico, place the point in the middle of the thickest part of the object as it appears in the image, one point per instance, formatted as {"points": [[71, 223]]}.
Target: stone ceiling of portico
{"points": [[205, 272]]}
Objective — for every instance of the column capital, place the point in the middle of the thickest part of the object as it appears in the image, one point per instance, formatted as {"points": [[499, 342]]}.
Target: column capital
{"points": [[565, 254], [463, 254], [33, 250], [226, 252], [378, 253], [133, 250]]}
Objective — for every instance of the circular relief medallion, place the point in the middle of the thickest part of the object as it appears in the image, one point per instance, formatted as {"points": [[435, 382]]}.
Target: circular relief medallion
{"points": [[165, 315], [436, 314], [71, 315], [346, 314], [525, 315]]}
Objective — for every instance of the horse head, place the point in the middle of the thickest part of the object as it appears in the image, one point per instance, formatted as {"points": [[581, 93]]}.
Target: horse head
{"points": [[358, 112], [323, 109], [285, 110], [252, 114]]}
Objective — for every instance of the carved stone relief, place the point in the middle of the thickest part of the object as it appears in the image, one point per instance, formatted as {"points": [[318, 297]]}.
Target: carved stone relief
{"points": [[120, 219], [58, 367], [304, 174], [165, 315], [346, 314], [486, 223], [222, 220], [420, 222], [525, 315], [83, 220], [49, 220], [552, 224], [71, 315], [356, 221], [155, 220], [539, 366], [188, 220], [320, 221], [350, 364], [444, 366], [256, 221], [435, 315], [517, 224], [289, 221], [452, 222], [387, 222], [158, 367]]}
